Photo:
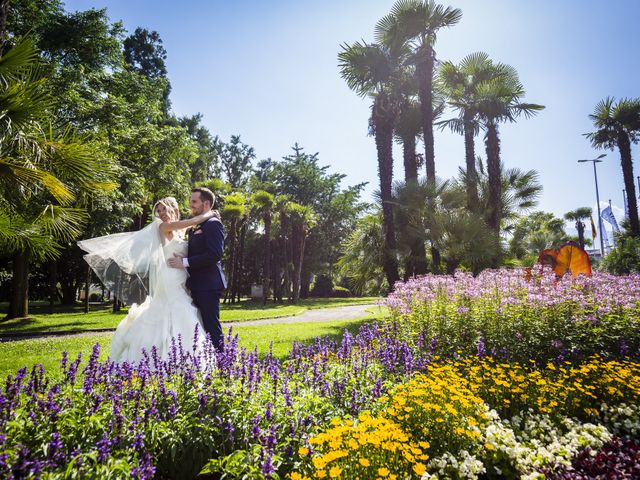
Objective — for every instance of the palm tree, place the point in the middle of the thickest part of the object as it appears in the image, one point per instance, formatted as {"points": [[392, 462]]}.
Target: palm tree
{"points": [[438, 214], [362, 260], [44, 169], [234, 211], [264, 202], [415, 23], [578, 215], [376, 70], [519, 192], [415, 219], [499, 101], [302, 219], [459, 84], [407, 131], [618, 125]]}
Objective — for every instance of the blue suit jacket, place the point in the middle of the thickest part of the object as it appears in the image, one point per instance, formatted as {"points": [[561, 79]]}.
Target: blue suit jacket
{"points": [[206, 245]]}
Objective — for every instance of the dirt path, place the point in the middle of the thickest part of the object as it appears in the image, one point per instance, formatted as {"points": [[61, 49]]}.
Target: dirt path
{"points": [[318, 315], [348, 312]]}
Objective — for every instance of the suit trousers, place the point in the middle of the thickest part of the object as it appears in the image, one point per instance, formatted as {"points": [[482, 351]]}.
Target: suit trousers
{"points": [[208, 302]]}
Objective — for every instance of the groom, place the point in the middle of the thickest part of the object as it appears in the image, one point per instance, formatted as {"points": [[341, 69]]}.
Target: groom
{"points": [[206, 280]]}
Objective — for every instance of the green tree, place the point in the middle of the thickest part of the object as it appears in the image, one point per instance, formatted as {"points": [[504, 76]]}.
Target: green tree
{"points": [[520, 190], [206, 165], [263, 202], [577, 216], [234, 212], [500, 101], [618, 125], [624, 257], [301, 178], [459, 84], [416, 23], [437, 213], [362, 260], [235, 159], [535, 232], [376, 70], [144, 52], [44, 167], [302, 219]]}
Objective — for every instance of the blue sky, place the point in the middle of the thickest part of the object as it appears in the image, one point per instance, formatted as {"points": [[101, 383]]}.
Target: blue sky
{"points": [[267, 70]]}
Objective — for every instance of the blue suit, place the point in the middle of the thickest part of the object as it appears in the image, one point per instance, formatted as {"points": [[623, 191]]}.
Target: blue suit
{"points": [[206, 279]]}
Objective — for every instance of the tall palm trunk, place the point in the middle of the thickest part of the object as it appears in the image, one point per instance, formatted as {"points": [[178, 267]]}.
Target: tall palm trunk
{"points": [[416, 264], [409, 157], [232, 259], [424, 71], [19, 300], [266, 274], [624, 145], [473, 201], [4, 6], [240, 260], [383, 121], [492, 143], [580, 229], [53, 280], [298, 239]]}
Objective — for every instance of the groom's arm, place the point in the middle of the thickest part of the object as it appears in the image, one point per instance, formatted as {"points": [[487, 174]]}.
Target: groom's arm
{"points": [[213, 232]]}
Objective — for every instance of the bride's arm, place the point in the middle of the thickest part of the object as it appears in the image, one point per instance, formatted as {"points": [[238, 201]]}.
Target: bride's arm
{"points": [[189, 222]]}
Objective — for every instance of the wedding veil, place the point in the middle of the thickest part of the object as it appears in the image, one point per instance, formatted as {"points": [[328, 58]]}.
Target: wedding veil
{"points": [[127, 263]]}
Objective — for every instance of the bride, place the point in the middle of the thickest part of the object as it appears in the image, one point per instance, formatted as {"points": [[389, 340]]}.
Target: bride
{"points": [[134, 264]]}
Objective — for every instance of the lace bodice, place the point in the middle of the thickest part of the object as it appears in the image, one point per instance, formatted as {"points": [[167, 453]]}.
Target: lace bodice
{"points": [[176, 245]]}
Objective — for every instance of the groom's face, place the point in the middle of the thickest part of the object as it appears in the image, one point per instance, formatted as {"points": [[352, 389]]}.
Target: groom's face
{"points": [[197, 205]]}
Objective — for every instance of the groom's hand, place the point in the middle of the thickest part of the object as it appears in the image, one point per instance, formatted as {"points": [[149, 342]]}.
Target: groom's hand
{"points": [[176, 261]]}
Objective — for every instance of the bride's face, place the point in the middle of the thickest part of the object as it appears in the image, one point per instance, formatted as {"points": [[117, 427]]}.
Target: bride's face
{"points": [[163, 213]]}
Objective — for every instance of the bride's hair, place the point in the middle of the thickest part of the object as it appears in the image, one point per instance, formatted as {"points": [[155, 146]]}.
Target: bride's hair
{"points": [[171, 204]]}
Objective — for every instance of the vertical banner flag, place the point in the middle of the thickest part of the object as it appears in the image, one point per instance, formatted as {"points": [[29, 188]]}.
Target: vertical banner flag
{"points": [[603, 232], [593, 230], [607, 214]]}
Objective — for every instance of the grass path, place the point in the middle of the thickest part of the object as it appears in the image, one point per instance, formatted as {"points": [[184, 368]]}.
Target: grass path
{"points": [[101, 317], [48, 351]]}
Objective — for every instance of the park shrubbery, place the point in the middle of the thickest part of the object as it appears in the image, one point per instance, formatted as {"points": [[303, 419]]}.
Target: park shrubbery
{"points": [[436, 390]]}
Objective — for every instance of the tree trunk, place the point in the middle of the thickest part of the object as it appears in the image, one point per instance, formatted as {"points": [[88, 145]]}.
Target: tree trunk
{"points": [[232, 260], [87, 283], [266, 274], [435, 259], [624, 146], [580, 228], [383, 125], [4, 6], [53, 280], [116, 302], [298, 241], [409, 156], [19, 299], [243, 233], [416, 264], [305, 281], [473, 203], [424, 71], [492, 143]]}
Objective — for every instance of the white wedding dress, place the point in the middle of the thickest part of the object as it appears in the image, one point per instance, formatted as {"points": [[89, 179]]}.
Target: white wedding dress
{"points": [[167, 314], [124, 259]]}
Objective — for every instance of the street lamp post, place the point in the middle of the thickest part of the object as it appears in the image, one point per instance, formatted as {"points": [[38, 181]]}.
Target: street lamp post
{"points": [[595, 175]]}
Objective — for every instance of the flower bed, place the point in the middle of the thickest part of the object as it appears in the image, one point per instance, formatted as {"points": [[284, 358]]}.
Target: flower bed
{"points": [[391, 401], [506, 314]]}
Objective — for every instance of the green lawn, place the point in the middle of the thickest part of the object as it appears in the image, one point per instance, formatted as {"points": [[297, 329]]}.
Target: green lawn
{"points": [[47, 351], [100, 317]]}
